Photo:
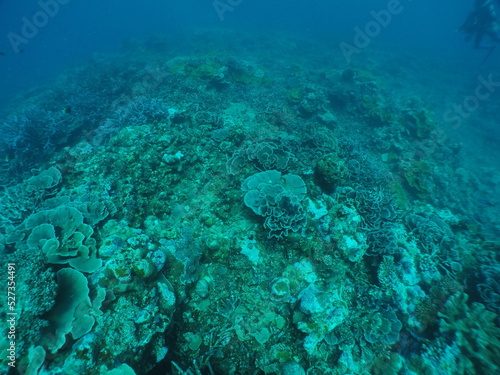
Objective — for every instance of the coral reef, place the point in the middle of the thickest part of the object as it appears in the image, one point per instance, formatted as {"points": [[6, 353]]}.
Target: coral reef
{"points": [[202, 212]]}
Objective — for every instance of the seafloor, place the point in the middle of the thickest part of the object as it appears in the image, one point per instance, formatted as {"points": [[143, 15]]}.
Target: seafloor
{"points": [[231, 203]]}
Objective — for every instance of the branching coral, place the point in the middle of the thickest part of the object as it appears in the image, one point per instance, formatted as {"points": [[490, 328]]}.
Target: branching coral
{"points": [[472, 329]]}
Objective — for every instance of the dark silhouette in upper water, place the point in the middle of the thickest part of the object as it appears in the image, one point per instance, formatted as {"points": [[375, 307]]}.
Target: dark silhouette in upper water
{"points": [[481, 23]]}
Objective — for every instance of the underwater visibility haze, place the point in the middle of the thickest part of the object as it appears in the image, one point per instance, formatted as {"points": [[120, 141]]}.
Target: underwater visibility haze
{"points": [[233, 187]]}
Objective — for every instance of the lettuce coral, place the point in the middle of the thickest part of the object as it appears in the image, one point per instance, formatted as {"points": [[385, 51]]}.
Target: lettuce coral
{"points": [[68, 315], [381, 326], [278, 199], [61, 235]]}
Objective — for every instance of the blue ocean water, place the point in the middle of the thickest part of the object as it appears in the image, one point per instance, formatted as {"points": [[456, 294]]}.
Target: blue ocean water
{"points": [[249, 187]]}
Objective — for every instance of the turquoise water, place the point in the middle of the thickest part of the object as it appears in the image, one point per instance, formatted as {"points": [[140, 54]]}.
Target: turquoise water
{"points": [[248, 188]]}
